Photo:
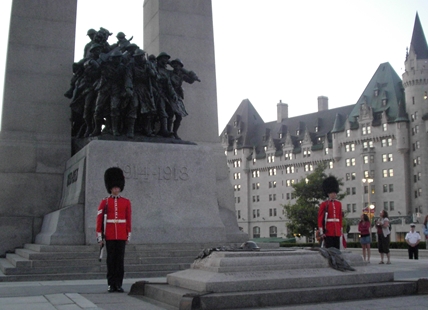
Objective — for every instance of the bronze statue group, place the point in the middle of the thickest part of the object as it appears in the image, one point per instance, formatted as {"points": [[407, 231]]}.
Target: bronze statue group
{"points": [[119, 89]]}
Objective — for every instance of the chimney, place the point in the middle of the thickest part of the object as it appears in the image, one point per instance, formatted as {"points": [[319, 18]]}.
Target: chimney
{"points": [[322, 103], [282, 111]]}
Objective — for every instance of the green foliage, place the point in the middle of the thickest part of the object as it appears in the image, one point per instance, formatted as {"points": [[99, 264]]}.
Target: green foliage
{"points": [[303, 214]]}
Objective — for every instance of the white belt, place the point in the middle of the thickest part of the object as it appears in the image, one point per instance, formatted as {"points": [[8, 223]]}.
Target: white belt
{"points": [[116, 221], [332, 220]]}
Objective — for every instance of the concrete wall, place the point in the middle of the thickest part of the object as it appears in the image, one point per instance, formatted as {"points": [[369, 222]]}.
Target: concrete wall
{"points": [[35, 134], [184, 29]]}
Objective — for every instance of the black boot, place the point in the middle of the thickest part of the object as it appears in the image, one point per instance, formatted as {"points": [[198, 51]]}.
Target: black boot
{"points": [[97, 127], [89, 127], [163, 128], [177, 123], [130, 123]]}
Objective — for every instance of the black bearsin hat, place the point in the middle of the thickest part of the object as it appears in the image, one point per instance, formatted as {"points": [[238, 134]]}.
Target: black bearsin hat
{"points": [[330, 185], [114, 177]]}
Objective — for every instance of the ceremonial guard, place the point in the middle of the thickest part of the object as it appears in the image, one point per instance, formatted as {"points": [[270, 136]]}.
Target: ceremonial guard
{"points": [[114, 227], [330, 214]]}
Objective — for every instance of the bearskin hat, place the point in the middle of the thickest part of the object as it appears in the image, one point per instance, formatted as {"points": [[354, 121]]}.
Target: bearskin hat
{"points": [[330, 185], [114, 177]]}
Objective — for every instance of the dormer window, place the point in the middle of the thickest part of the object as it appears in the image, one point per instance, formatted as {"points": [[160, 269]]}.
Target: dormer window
{"points": [[280, 135], [384, 101], [316, 128], [376, 92], [425, 96], [239, 131], [297, 132], [235, 123]]}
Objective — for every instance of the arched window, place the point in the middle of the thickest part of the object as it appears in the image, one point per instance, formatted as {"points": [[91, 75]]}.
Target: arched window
{"points": [[256, 232], [273, 231]]}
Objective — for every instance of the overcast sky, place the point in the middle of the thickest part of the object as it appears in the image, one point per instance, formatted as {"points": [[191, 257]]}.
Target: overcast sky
{"points": [[274, 50]]}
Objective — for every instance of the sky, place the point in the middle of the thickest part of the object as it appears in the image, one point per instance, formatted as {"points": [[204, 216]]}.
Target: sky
{"points": [[278, 50]]}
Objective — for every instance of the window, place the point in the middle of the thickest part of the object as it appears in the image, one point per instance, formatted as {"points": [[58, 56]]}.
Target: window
{"points": [[348, 176], [385, 205], [272, 212], [366, 159], [308, 167], [383, 143], [272, 184], [271, 158], [256, 232], [238, 214], [389, 141], [391, 172], [348, 132], [348, 191], [385, 127], [348, 207], [326, 151], [391, 206], [237, 199], [235, 152], [236, 175], [330, 164], [354, 207], [288, 196], [272, 197], [255, 173], [272, 231], [307, 152], [353, 175], [256, 186], [354, 191], [237, 187], [348, 162], [237, 163], [366, 129], [272, 171], [352, 161], [385, 188]]}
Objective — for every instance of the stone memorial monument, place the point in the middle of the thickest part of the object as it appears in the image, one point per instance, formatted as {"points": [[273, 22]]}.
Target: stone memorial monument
{"points": [[180, 192]]}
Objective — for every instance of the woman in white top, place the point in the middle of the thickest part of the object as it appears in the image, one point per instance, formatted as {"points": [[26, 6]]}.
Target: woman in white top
{"points": [[383, 234]]}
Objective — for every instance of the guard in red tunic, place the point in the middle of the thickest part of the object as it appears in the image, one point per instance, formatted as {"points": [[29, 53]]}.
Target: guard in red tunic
{"points": [[330, 214], [114, 227]]}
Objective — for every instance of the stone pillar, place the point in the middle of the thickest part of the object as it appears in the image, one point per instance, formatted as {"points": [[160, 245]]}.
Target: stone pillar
{"points": [[184, 29], [35, 132]]}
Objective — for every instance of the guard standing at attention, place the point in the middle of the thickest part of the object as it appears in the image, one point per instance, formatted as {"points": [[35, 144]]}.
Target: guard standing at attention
{"points": [[330, 214], [114, 227]]}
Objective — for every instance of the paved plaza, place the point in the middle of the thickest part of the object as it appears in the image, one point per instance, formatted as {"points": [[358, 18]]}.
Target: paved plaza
{"points": [[92, 294]]}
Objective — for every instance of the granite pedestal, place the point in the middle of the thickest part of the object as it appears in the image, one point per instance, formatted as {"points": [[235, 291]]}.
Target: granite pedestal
{"points": [[238, 279], [173, 190]]}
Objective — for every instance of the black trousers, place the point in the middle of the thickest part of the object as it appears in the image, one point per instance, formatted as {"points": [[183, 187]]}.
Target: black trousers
{"points": [[413, 252], [115, 262], [332, 242]]}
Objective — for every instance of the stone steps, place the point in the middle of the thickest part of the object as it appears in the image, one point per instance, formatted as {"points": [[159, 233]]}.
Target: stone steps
{"points": [[53, 262], [56, 262]]}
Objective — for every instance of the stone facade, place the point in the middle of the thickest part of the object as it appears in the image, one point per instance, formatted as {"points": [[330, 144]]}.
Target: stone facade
{"points": [[381, 138]]}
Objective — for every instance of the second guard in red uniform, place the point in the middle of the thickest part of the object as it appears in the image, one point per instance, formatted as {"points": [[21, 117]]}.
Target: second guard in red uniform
{"points": [[114, 227], [330, 214]]}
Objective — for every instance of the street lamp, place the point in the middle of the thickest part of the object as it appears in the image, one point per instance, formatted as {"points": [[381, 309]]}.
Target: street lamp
{"points": [[370, 207]]}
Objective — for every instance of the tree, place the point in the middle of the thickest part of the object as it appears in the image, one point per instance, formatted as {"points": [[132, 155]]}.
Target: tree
{"points": [[303, 214]]}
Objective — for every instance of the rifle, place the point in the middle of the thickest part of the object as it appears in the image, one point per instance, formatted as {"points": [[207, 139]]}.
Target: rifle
{"points": [[323, 223], [103, 231]]}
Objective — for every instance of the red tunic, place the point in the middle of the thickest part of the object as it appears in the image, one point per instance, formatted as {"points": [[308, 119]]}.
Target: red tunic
{"points": [[333, 225], [118, 225]]}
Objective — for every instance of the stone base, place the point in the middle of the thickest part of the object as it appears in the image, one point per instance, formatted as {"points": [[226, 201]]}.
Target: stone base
{"points": [[178, 194], [228, 280]]}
